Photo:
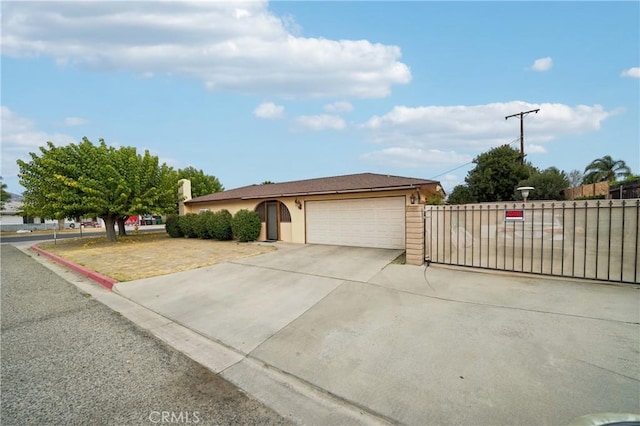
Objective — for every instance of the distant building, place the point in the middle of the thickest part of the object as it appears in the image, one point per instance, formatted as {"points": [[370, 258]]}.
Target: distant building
{"points": [[12, 218], [625, 190], [590, 190], [11, 213]]}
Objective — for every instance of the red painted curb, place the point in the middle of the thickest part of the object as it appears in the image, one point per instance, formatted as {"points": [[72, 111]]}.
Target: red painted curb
{"points": [[103, 280]]}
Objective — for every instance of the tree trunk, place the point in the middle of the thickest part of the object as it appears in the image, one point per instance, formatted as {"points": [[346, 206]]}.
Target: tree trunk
{"points": [[122, 232], [109, 225], [60, 224]]}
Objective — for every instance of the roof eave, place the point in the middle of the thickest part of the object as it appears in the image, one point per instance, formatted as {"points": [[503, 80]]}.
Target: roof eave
{"points": [[307, 193]]}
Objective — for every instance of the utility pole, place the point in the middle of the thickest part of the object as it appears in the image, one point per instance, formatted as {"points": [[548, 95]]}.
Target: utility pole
{"points": [[521, 115]]}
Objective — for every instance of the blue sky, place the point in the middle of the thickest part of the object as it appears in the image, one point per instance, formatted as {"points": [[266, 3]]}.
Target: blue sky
{"points": [[254, 91]]}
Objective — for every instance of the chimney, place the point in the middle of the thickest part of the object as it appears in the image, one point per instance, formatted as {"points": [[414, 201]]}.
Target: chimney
{"points": [[184, 194]]}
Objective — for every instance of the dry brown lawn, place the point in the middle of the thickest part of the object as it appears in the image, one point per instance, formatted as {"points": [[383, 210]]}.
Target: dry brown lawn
{"points": [[147, 255]]}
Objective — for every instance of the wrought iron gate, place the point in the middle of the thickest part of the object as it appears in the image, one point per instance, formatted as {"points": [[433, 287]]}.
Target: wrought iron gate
{"points": [[595, 239]]}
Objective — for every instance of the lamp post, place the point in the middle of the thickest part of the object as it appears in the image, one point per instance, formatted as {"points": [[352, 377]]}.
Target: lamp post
{"points": [[524, 190]]}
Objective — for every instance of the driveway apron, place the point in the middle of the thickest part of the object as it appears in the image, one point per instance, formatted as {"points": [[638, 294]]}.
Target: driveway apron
{"points": [[241, 304]]}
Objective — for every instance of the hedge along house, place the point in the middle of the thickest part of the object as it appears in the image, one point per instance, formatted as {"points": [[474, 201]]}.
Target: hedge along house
{"points": [[361, 210]]}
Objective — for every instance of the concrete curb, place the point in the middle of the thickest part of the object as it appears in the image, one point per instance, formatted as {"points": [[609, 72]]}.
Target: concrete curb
{"points": [[103, 280]]}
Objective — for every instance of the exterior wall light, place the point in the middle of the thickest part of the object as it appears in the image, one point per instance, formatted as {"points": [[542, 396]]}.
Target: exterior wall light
{"points": [[412, 198], [524, 190], [298, 204]]}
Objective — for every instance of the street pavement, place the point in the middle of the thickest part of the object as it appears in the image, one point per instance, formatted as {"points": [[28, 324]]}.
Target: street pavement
{"points": [[385, 343], [68, 359], [76, 233]]}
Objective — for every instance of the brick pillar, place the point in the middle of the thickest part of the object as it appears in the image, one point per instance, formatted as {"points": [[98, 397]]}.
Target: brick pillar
{"points": [[414, 240]]}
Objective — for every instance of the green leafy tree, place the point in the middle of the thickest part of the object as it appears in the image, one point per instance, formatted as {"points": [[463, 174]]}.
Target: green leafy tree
{"points": [[48, 193], [4, 195], [85, 180], [628, 179], [267, 182], [461, 194], [201, 183], [548, 185], [435, 199], [496, 174], [605, 169]]}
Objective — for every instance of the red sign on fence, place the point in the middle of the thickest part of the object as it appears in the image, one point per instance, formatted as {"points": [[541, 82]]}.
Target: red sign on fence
{"points": [[514, 215]]}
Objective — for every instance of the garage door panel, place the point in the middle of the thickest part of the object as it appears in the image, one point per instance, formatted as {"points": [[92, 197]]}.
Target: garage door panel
{"points": [[368, 222]]}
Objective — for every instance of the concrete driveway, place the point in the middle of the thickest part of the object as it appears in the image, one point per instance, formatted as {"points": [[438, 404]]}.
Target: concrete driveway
{"points": [[413, 346]]}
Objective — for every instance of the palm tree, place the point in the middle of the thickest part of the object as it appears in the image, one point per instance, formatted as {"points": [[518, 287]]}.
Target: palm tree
{"points": [[605, 168], [4, 195]]}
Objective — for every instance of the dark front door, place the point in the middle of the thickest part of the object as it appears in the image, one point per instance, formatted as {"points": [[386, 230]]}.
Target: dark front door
{"points": [[272, 221]]}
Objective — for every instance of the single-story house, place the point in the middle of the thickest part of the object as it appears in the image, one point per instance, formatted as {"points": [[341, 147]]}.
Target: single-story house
{"points": [[11, 213], [13, 219], [363, 210]]}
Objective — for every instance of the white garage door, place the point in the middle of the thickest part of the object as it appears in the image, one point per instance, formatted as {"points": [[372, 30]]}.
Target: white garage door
{"points": [[368, 222]]}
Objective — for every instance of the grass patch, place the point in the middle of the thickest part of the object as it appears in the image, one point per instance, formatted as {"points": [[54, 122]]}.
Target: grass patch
{"points": [[150, 254]]}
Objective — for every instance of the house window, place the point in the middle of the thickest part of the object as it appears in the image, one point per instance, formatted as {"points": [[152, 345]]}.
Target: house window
{"points": [[261, 209], [285, 216]]}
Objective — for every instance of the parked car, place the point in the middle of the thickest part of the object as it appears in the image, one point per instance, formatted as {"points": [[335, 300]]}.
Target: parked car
{"points": [[89, 224], [150, 220]]}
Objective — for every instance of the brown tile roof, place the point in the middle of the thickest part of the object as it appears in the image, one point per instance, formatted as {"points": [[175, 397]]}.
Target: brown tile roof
{"points": [[362, 182]]}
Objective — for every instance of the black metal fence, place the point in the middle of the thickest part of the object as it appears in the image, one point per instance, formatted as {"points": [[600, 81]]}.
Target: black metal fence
{"points": [[596, 239]]}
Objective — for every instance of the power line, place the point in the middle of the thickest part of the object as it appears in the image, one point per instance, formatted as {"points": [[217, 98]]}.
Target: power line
{"points": [[466, 164], [452, 170]]}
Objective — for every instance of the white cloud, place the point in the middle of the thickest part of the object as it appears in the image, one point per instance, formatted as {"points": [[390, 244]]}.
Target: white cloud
{"points": [[535, 149], [631, 72], [478, 127], [411, 157], [269, 110], [73, 122], [321, 122], [454, 135], [19, 137], [542, 64], [230, 46], [339, 106]]}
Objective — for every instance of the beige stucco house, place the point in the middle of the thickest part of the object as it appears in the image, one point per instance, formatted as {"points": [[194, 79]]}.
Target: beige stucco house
{"points": [[363, 210]]}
